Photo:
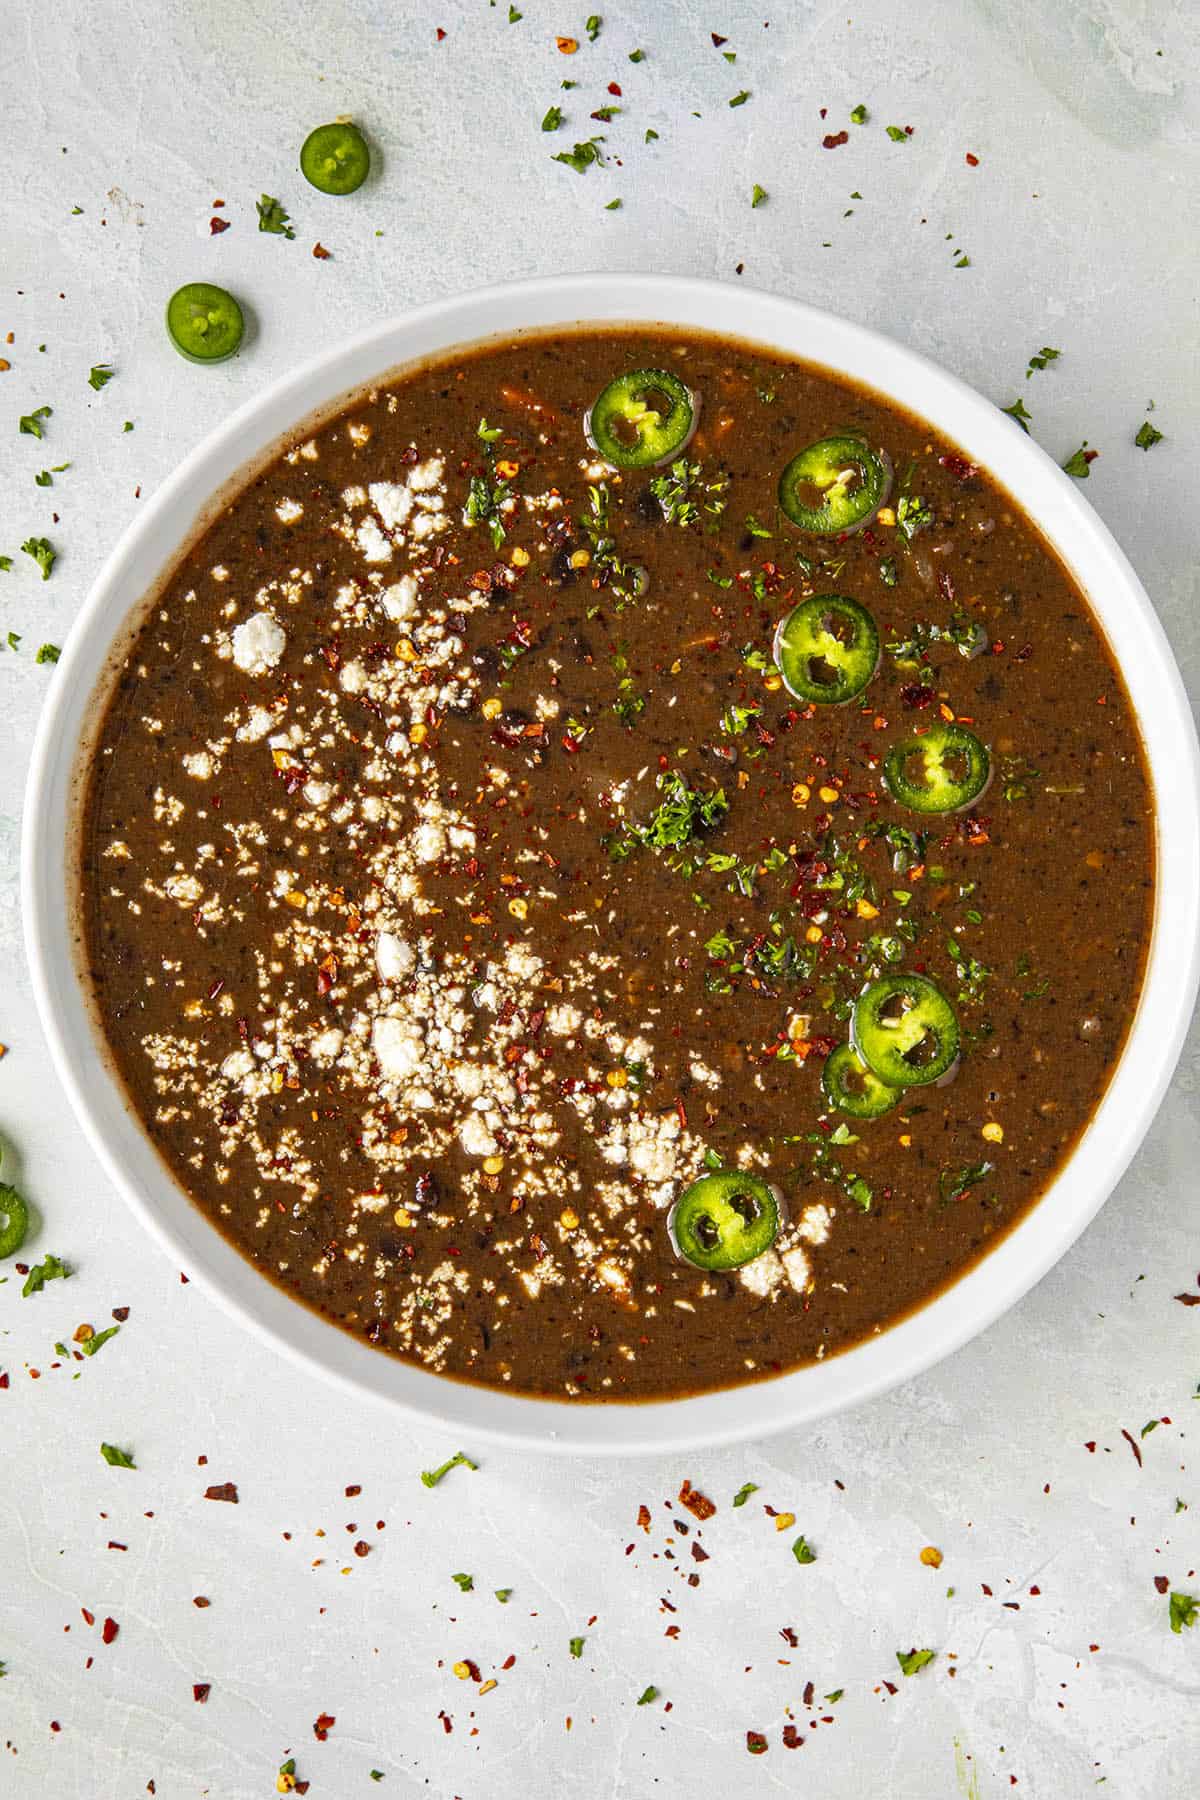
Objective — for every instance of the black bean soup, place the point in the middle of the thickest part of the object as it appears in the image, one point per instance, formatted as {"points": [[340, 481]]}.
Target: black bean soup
{"points": [[620, 865]]}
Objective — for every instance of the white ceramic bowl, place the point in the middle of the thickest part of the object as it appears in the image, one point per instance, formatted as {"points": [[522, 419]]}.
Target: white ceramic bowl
{"points": [[987, 437]]}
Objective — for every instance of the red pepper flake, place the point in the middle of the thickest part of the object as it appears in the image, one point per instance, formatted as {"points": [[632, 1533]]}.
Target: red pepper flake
{"points": [[698, 1504], [789, 1637], [808, 1694], [1188, 1299], [362, 1548], [440, 35], [972, 161], [4, 1379], [614, 88], [1161, 1584], [108, 1631], [756, 1743], [224, 1490], [217, 226], [791, 1738], [323, 1724], [54, 1725], [643, 1517], [1132, 1442], [201, 1600], [88, 1617], [958, 466], [508, 1662], [987, 1590], [890, 1686], [120, 1314], [447, 1723], [1090, 1446], [321, 253], [718, 40], [200, 1692], [113, 1545], [833, 139], [353, 1491]]}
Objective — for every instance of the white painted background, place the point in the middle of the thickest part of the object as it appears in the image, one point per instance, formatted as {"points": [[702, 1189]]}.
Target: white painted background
{"points": [[1081, 228]]}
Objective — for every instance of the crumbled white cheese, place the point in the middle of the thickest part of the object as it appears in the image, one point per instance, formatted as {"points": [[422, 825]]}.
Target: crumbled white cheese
{"points": [[258, 643]]}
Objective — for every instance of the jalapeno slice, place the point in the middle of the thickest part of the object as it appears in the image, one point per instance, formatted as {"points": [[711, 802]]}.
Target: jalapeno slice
{"points": [[15, 1214], [937, 771], [835, 485], [204, 323], [643, 418], [850, 1087], [827, 649], [724, 1220], [905, 1030], [335, 158]]}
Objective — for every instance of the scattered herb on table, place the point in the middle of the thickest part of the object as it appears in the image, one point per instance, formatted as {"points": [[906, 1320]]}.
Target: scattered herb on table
{"points": [[592, 26], [647, 1695], [553, 119], [1147, 436], [101, 375], [803, 1551], [43, 553], [47, 653], [465, 1582], [1080, 464], [859, 115], [273, 217], [504, 1595], [744, 1492], [576, 1647], [1018, 412], [1184, 1609], [740, 99], [116, 1458], [1042, 359], [581, 156], [30, 424], [912, 1660], [51, 1268], [637, 56], [898, 134], [757, 195], [460, 1459], [98, 1339]]}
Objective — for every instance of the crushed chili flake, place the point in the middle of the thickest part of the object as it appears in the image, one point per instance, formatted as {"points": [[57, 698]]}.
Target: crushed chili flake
{"points": [[216, 226], [223, 1490], [108, 1631], [698, 1504], [1161, 1584], [200, 1692], [791, 1738], [756, 1743], [201, 1600], [321, 253], [833, 139], [1132, 1442], [323, 1724]]}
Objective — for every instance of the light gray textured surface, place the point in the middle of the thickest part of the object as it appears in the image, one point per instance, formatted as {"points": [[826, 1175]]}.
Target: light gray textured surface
{"points": [[1081, 227]]}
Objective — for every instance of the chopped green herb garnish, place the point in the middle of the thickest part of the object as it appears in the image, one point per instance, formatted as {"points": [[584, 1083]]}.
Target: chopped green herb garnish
{"points": [[647, 1695], [43, 554], [100, 376], [912, 1660], [835, 1696], [273, 217], [636, 56], [954, 1183], [651, 135], [116, 1458], [30, 424], [582, 156], [592, 26], [1184, 1610], [51, 1268], [859, 115], [747, 1488], [740, 99], [553, 119], [757, 195], [514, 16], [465, 1582], [128, 425], [1017, 411], [5, 564], [913, 514], [1148, 1427], [1080, 464], [47, 653], [1147, 435], [803, 1551], [504, 1595], [613, 206], [98, 1340], [460, 1459], [576, 1646], [1042, 359], [897, 134]]}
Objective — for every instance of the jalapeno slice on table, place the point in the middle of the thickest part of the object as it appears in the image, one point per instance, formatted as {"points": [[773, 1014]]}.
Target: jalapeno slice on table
{"points": [[850, 1087], [204, 323], [940, 770], [905, 1030], [641, 419], [835, 485], [827, 649], [15, 1214], [335, 158], [724, 1220]]}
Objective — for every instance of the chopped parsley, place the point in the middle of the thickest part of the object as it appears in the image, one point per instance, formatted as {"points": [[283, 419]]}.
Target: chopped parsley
{"points": [[1184, 1609], [102, 374], [1080, 464], [647, 1695], [897, 134], [1018, 412], [553, 119], [116, 1458], [460, 1459], [1042, 359], [757, 195], [740, 99], [128, 425], [51, 1268], [576, 1646], [30, 424], [582, 156], [613, 206], [5, 564], [504, 1595], [651, 135], [465, 1582], [47, 653], [43, 554], [912, 1660], [803, 1551], [744, 1492], [859, 115], [636, 56], [954, 1183], [681, 817], [273, 217], [514, 16], [98, 1340], [913, 514], [592, 26], [1147, 435]]}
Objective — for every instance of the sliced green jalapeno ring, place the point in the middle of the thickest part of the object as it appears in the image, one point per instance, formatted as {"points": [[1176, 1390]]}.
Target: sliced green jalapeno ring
{"points": [[15, 1214], [724, 1220], [850, 1087], [905, 1030], [940, 770], [835, 485], [204, 323], [641, 419], [827, 649], [335, 158]]}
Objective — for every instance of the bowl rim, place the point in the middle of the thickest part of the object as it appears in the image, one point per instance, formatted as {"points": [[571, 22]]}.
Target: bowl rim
{"points": [[1136, 639]]}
